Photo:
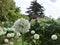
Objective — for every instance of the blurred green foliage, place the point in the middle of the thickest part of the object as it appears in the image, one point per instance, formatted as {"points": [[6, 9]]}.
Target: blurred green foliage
{"points": [[9, 11], [13, 15], [6, 5], [45, 27]]}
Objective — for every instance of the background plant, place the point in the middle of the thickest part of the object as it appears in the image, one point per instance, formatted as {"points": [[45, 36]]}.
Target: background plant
{"points": [[45, 27]]}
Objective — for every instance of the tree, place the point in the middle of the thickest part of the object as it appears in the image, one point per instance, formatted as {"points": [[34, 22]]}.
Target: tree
{"points": [[35, 10], [6, 5], [9, 12], [13, 15]]}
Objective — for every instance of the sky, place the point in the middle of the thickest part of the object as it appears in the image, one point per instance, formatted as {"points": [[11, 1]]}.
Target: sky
{"points": [[52, 7]]}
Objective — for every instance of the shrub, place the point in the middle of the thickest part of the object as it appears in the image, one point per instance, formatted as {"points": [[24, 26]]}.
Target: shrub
{"points": [[45, 27]]}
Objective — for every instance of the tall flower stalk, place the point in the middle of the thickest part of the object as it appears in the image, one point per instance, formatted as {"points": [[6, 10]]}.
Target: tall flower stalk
{"points": [[22, 39], [36, 37]]}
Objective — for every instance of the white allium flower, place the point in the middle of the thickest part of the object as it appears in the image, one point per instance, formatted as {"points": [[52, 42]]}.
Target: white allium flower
{"points": [[4, 32], [11, 43], [17, 35], [21, 25], [1, 28], [5, 29], [12, 34], [11, 29], [1, 32], [36, 36], [6, 40], [54, 37], [3, 23], [9, 35], [32, 32], [28, 30]]}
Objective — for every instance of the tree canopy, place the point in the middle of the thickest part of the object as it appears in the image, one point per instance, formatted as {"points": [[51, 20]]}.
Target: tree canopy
{"points": [[6, 5], [35, 10], [9, 11]]}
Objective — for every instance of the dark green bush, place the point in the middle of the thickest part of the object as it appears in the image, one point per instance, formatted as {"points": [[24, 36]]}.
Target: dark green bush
{"points": [[45, 27]]}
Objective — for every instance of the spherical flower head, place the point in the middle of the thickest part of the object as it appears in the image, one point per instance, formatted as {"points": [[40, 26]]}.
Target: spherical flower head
{"points": [[11, 29], [54, 37], [17, 35], [36, 36], [12, 34], [9, 35], [1, 32], [6, 40], [28, 30], [3, 23], [32, 32], [4, 32], [21, 25], [5, 29]]}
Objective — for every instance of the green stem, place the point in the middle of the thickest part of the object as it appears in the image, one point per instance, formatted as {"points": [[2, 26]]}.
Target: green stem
{"points": [[36, 42], [54, 42], [22, 39]]}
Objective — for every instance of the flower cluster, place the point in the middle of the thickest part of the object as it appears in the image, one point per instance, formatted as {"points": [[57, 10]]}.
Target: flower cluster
{"points": [[21, 25], [11, 33], [7, 41], [36, 36], [8, 33], [2, 32]]}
